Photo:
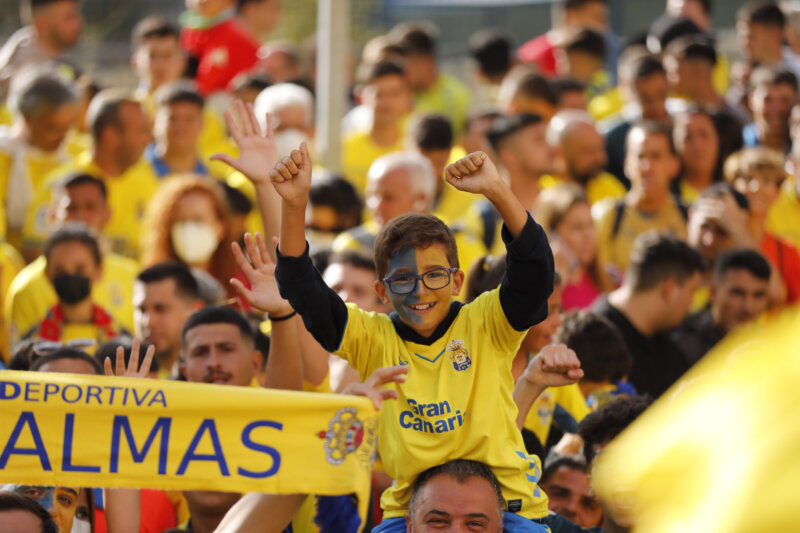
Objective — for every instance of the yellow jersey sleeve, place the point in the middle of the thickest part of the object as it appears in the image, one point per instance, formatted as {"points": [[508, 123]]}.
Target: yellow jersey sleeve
{"points": [[362, 339], [486, 313]]}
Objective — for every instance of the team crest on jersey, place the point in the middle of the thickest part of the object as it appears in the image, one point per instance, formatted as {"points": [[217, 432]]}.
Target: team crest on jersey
{"points": [[459, 355], [346, 434]]}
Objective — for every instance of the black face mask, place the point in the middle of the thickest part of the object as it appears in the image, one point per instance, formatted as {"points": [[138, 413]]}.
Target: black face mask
{"points": [[71, 289]]}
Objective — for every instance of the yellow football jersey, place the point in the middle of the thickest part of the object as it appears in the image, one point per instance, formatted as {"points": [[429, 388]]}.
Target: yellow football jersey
{"points": [[540, 417], [456, 402], [358, 153], [783, 219], [31, 295], [128, 197]]}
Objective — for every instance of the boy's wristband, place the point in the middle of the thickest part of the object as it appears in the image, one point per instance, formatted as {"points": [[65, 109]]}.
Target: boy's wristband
{"points": [[281, 318]]}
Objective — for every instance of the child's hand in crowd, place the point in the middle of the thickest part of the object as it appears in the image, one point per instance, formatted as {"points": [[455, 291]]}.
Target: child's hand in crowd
{"points": [[474, 173], [291, 177], [133, 370], [257, 151], [372, 387], [263, 292], [554, 366]]}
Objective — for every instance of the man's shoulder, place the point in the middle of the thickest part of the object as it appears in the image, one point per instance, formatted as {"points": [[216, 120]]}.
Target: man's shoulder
{"points": [[120, 266], [28, 278]]}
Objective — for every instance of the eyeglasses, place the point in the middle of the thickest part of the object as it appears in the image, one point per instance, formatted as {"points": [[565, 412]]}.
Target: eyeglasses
{"points": [[406, 283], [48, 347]]}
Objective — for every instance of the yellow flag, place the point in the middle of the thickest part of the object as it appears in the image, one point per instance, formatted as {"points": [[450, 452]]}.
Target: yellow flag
{"points": [[720, 451], [93, 431]]}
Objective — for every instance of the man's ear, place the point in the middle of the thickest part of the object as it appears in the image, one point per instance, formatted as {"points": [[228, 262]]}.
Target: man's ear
{"points": [[256, 357], [383, 294], [668, 288], [458, 282]]}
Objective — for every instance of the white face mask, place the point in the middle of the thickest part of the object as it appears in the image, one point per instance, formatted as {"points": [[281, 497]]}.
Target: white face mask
{"points": [[81, 526], [288, 140], [194, 242]]}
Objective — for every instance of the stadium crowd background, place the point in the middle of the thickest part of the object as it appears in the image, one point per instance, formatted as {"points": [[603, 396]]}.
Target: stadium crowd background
{"points": [[660, 163]]}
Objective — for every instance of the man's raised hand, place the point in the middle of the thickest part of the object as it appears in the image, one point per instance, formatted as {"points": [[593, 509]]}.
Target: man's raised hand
{"points": [[263, 292], [475, 173], [257, 151], [554, 366], [133, 370], [291, 177]]}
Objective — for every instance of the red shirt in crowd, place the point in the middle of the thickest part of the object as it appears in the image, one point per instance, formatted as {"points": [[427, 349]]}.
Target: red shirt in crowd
{"points": [[539, 52], [222, 52], [785, 258]]}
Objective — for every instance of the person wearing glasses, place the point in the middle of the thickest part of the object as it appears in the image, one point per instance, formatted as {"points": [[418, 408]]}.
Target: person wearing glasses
{"points": [[456, 400], [74, 264]]}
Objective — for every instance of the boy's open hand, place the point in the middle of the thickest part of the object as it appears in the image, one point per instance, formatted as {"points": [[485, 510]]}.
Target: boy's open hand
{"points": [[133, 370], [263, 292], [474, 173], [291, 177], [371, 388], [554, 366], [257, 151]]}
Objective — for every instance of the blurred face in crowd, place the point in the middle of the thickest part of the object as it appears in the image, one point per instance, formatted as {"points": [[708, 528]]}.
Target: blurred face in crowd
{"points": [[592, 15], [651, 94], [444, 504], [761, 190], [706, 234], [83, 203], [528, 153], [542, 333], [73, 258], [760, 43], [390, 98], [584, 151], [277, 63], [263, 16], [218, 353], [570, 496], [60, 502], [650, 163], [772, 107], [178, 126], [49, 129], [690, 9], [129, 140], [59, 23], [159, 60], [738, 298], [159, 313], [208, 505], [578, 232], [392, 195], [198, 206], [354, 285], [697, 143]]}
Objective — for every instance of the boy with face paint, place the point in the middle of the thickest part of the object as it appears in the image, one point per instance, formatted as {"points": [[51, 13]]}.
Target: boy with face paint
{"points": [[74, 264], [457, 398]]}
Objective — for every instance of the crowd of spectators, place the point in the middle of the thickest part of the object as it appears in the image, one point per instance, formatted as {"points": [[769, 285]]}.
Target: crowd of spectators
{"points": [[635, 200]]}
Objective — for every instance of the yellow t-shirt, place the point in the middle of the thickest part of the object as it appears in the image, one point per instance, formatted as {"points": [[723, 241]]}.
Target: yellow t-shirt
{"points": [[540, 417], [128, 197], [599, 188], [456, 402], [11, 263], [449, 97], [783, 219], [615, 247], [31, 295], [358, 153]]}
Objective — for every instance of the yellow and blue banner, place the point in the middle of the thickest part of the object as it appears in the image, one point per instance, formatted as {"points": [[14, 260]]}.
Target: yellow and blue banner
{"points": [[96, 431]]}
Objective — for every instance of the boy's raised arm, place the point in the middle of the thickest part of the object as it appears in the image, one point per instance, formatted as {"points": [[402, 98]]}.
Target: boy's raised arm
{"points": [[291, 178]]}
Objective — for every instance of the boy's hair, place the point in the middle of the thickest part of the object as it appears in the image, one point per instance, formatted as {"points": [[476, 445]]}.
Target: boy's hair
{"points": [[109, 349], [492, 50], [383, 68], [524, 83], [462, 470], [339, 194], [65, 352], [504, 127], [650, 127], [763, 13], [609, 421], [415, 39], [77, 179], [74, 232], [433, 132], [37, 90], [750, 160], [562, 86], [153, 26], [416, 230], [585, 41], [769, 76], [693, 47], [185, 283], [104, 110], [749, 260], [666, 29], [11, 501], [603, 354], [573, 462], [217, 314], [636, 64], [180, 91], [656, 257], [353, 258]]}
